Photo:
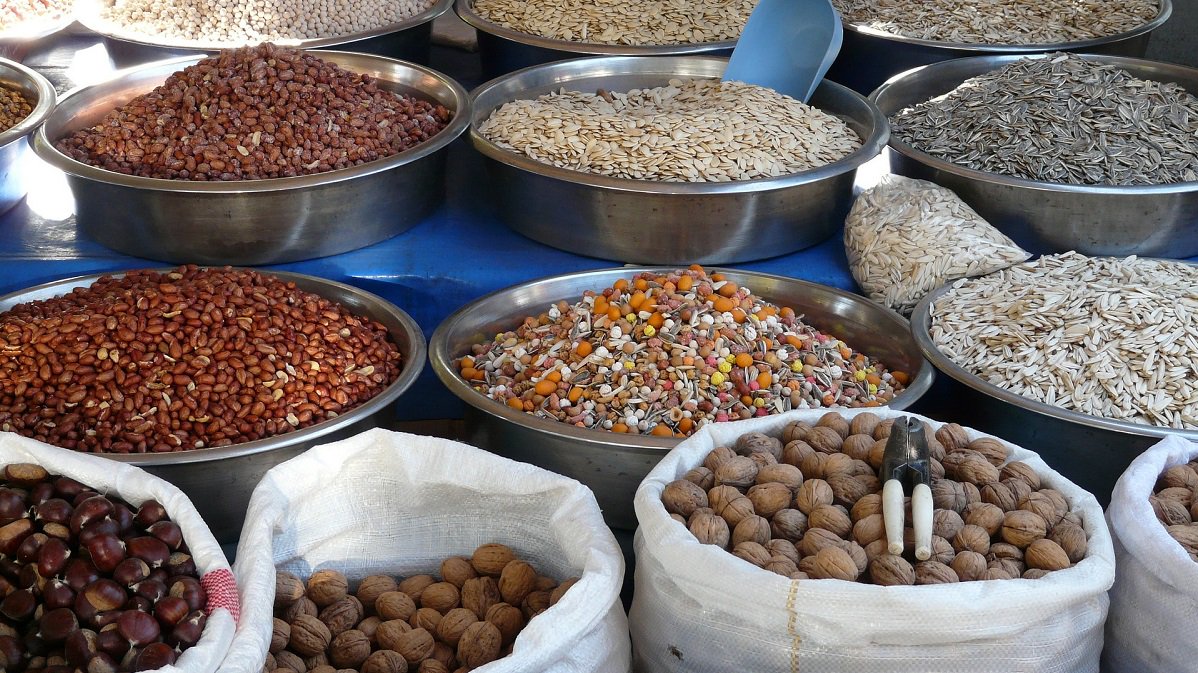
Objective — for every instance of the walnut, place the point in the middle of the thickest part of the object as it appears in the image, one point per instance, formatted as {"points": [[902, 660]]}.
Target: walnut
{"points": [[833, 563], [279, 636], [788, 524], [969, 466], [1194, 511], [836, 422], [1000, 496], [876, 454], [303, 606], [752, 552], [816, 539], [517, 580], [794, 452], [1009, 566], [1179, 476], [718, 496], [952, 437], [996, 574], [864, 423], [882, 429], [948, 494], [326, 587], [479, 645], [1170, 512], [288, 589], [763, 459], [769, 498], [832, 519], [447, 656], [946, 523], [415, 645], [560, 590], [942, 550], [457, 569], [508, 619], [867, 505], [432, 666], [444, 596], [1019, 489], [993, 450], [936, 450], [1183, 495], [1004, 550], [1046, 555], [480, 593], [857, 553], [857, 447], [349, 649], [453, 625], [415, 585], [970, 566], [1034, 573], [1186, 536], [394, 605], [309, 636], [824, 439], [385, 661], [490, 559], [837, 463], [1040, 503], [935, 469], [812, 494], [972, 493], [812, 465], [889, 570], [1020, 470], [984, 515], [795, 430], [736, 510], [1021, 528], [782, 566], [710, 529], [751, 529], [290, 661], [869, 529], [373, 586], [934, 572], [846, 490], [755, 442], [387, 634], [972, 538], [739, 472], [342, 615], [370, 626], [1058, 501], [701, 477], [787, 475], [778, 548], [317, 661], [716, 456]]}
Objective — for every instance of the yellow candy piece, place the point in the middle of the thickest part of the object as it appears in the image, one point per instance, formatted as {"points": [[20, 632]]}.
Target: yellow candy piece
{"points": [[725, 366], [796, 366], [717, 378], [872, 389], [631, 317], [860, 375], [758, 402], [628, 364], [650, 330]]}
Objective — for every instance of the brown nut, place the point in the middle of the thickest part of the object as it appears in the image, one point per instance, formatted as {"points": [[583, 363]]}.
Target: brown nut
{"points": [[857, 553], [370, 626], [415, 585], [290, 661], [972, 538], [710, 529], [508, 619], [280, 636], [479, 645], [415, 645], [373, 586], [891, 570], [309, 636], [752, 552], [1000, 550], [787, 475], [838, 463], [1041, 503], [443, 596], [869, 529], [739, 472], [946, 523], [970, 566], [1186, 536], [1178, 476], [942, 550], [1071, 538], [757, 442], [934, 572], [782, 565], [864, 423], [817, 539], [394, 605], [490, 559], [326, 587], [970, 466], [517, 580], [769, 498], [795, 452], [1019, 489], [952, 437], [453, 625], [830, 518], [342, 616], [1046, 555], [349, 649], [457, 569], [1170, 512], [719, 496], [480, 593], [1021, 528], [736, 510], [857, 446], [1020, 470], [789, 524], [387, 634], [782, 548], [1000, 495], [949, 494], [385, 661], [560, 591], [867, 505], [991, 449], [751, 529], [288, 589], [303, 606], [812, 494], [824, 439], [847, 490], [717, 456], [984, 515], [1034, 573], [833, 563], [835, 421], [701, 477], [682, 497]]}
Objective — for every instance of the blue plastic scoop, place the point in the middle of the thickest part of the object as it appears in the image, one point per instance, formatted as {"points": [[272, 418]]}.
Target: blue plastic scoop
{"points": [[788, 46]]}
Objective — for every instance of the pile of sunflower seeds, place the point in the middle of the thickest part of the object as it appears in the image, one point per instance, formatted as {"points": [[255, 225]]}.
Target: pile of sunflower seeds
{"points": [[648, 22], [999, 21], [689, 131], [1061, 119], [1116, 338]]}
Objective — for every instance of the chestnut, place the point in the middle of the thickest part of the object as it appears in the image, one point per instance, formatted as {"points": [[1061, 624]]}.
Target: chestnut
{"points": [[102, 663], [139, 603], [101, 595], [83, 495], [181, 564], [106, 552], [52, 557], [189, 589], [112, 643], [10, 569], [92, 509], [12, 652], [57, 594], [12, 503], [80, 647], [152, 590], [80, 572], [105, 526], [159, 575], [188, 631], [54, 510], [29, 579], [149, 549], [29, 547], [35, 645], [154, 656], [56, 625], [169, 532], [41, 492], [13, 534], [57, 530], [150, 513], [65, 487], [130, 571], [123, 517], [19, 605], [138, 627], [170, 611]]}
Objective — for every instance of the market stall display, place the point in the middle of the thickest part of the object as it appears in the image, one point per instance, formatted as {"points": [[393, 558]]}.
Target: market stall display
{"points": [[26, 100], [494, 531], [829, 373], [172, 393], [204, 222], [883, 38], [1058, 209], [699, 607], [664, 221]]}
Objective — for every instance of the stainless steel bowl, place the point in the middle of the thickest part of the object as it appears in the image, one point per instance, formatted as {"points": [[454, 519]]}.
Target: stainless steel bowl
{"points": [[219, 481], [14, 142], [408, 40], [255, 221], [656, 222], [613, 464], [504, 50], [1090, 451], [869, 57], [1044, 217], [17, 41]]}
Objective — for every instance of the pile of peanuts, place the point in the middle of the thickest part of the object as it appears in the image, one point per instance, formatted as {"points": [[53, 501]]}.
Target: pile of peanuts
{"points": [[193, 358], [254, 113], [664, 354]]}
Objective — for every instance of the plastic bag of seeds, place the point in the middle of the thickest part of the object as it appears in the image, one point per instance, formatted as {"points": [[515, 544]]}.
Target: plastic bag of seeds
{"points": [[135, 486], [1155, 597], [699, 609], [905, 238], [397, 504]]}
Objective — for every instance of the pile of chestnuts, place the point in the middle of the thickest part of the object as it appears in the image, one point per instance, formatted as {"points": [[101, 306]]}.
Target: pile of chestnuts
{"points": [[89, 582]]}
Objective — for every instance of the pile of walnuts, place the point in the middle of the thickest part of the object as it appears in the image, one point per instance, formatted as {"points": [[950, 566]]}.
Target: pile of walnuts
{"points": [[1175, 502], [470, 617], [809, 506]]}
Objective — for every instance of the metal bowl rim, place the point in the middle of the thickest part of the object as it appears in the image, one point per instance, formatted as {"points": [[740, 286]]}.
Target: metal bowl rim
{"points": [[103, 29], [461, 120], [1166, 10], [870, 147], [442, 360], [465, 11], [413, 365], [921, 323], [46, 101], [898, 82]]}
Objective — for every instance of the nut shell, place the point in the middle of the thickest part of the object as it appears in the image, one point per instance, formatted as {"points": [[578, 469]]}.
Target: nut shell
{"points": [[479, 645], [946, 523], [1018, 469], [349, 649], [1072, 540], [984, 515], [454, 624], [457, 569], [972, 538], [769, 498], [787, 475], [891, 570], [490, 559], [934, 572], [309, 636], [1021, 528], [710, 529], [326, 587], [680, 497], [752, 552], [834, 563], [443, 596], [1046, 555], [812, 494], [830, 518], [415, 645], [373, 586], [480, 593], [394, 605], [993, 450], [517, 580], [788, 524], [739, 472], [970, 566], [751, 529], [717, 456]]}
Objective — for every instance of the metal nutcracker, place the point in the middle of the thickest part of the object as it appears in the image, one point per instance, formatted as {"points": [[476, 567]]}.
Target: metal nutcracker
{"points": [[905, 463]]}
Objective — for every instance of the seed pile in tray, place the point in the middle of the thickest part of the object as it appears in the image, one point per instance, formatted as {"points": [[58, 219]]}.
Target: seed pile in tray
{"points": [[648, 22], [700, 130], [664, 354], [17, 16]]}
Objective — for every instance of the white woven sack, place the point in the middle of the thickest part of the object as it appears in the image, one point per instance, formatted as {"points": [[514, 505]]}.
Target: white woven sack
{"points": [[1155, 597], [135, 486], [399, 504], [699, 609]]}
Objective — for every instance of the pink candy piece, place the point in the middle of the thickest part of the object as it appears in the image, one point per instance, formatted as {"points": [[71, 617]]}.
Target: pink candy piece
{"points": [[761, 412], [667, 384], [754, 385], [721, 418], [711, 360]]}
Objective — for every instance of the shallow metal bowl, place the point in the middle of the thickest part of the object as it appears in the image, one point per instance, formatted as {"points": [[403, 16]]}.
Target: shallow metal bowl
{"points": [[219, 481], [657, 222], [255, 221], [504, 50], [1045, 217], [14, 143], [869, 57], [613, 464], [1089, 450], [17, 41], [408, 40]]}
